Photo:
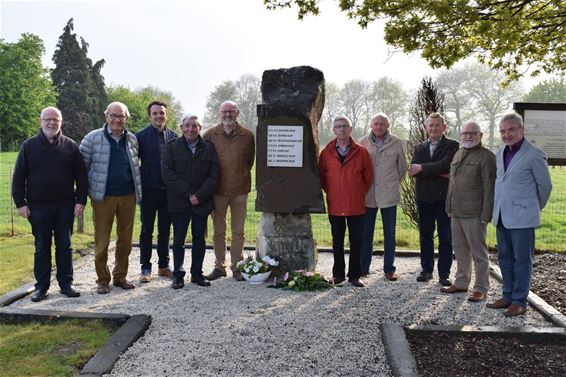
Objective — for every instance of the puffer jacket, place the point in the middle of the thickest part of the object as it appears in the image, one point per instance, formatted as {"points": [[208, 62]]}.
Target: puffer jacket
{"points": [[347, 183], [236, 156], [389, 168], [95, 149]]}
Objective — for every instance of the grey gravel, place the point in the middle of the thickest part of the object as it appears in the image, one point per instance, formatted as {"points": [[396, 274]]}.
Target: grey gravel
{"points": [[236, 329]]}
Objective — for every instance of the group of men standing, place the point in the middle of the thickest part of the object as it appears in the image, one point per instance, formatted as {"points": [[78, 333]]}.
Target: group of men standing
{"points": [[458, 192], [177, 179], [180, 180]]}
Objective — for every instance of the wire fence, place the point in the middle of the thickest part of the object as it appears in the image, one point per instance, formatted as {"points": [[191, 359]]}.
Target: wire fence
{"points": [[551, 236]]}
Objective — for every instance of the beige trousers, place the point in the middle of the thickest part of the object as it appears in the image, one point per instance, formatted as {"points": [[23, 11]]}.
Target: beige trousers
{"points": [[468, 242], [124, 209], [238, 212]]}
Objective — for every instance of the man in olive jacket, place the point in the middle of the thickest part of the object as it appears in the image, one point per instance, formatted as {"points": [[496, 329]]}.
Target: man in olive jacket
{"points": [[190, 172], [469, 204]]}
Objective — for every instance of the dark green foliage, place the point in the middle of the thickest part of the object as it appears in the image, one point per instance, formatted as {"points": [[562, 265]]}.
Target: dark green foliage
{"points": [[25, 89], [82, 96], [548, 91]]}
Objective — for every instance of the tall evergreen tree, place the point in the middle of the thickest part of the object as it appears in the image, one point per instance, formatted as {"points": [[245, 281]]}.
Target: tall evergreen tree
{"points": [[428, 100], [82, 95]]}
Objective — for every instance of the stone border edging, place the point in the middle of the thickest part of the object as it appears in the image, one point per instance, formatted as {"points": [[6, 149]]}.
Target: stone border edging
{"points": [[527, 332], [131, 328], [398, 351], [538, 303]]}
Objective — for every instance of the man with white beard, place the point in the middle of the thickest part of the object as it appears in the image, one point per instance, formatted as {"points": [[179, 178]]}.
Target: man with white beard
{"points": [[469, 204], [235, 146], [49, 188]]}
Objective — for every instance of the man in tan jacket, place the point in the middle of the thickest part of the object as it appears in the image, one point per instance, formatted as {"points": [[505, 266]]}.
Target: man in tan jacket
{"points": [[469, 204], [389, 161], [235, 146]]}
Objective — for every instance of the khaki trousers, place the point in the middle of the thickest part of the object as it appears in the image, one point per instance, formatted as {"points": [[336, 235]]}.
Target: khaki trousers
{"points": [[238, 210], [124, 209], [468, 241]]}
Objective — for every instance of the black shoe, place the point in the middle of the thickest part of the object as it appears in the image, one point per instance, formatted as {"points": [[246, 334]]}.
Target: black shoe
{"points": [[70, 292], [39, 295], [201, 281], [178, 283], [445, 282], [424, 276]]}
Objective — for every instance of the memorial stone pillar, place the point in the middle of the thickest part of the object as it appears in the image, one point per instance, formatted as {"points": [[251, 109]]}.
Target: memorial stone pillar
{"points": [[287, 180]]}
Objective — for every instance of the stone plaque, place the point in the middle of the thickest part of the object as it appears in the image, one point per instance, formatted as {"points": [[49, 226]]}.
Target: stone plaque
{"points": [[285, 146]]}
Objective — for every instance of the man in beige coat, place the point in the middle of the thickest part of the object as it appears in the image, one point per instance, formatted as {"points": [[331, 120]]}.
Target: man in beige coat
{"points": [[388, 156], [235, 146], [469, 204]]}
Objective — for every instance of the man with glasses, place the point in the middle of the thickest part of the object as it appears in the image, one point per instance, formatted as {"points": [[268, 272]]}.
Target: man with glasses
{"points": [[522, 188], [346, 174], [469, 204], [152, 140], [110, 154], [235, 146], [431, 166], [49, 188]]}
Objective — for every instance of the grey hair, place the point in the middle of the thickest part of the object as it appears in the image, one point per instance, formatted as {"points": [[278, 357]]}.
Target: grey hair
{"points": [[435, 116], [342, 117], [51, 108], [472, 123], [381, 115], [122, 105], [190, 117], [228, 103], [512, 117]]}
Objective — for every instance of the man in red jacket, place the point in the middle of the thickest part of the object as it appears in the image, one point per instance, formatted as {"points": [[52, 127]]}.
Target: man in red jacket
{"points": [[346, 174]]}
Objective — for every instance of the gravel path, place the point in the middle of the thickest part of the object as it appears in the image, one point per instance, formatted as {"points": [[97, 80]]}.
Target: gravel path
{"points": [[236, 329]]}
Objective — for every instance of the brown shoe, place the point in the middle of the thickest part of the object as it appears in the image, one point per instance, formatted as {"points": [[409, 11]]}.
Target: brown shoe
{"points": [[514, 310], [498, 304], [391, 276], [357, 283], [453, 289], [124, 284], [215, 274], [238, 276], [103, 288], [166, 272], [477, 297]]}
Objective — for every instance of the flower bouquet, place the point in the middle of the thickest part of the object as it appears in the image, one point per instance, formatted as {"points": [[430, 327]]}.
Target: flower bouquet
{"points": [[256, 271], [303, 280]]}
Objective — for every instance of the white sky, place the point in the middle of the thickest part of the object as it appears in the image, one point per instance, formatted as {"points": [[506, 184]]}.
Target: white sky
{"points": [[189, 47]]}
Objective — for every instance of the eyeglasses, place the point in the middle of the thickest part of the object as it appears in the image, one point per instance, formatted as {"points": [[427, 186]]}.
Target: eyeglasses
{"points": [[509, 130], [49, 120], [471, 133], [343, 126], [228, 111], [117, 116]]}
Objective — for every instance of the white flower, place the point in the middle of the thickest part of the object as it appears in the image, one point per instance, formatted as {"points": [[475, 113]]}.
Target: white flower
{"points": [[256, 267]]}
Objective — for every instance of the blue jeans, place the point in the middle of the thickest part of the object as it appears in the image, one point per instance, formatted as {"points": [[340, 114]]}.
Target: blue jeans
{"points": [[181, 222], [515, 249], [57, 223], [154, 202], [431, 214], [355, 229], [388, 221]]}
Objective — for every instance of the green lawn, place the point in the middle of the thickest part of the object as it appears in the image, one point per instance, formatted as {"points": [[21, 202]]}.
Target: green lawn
{"points": [[53, 349]]}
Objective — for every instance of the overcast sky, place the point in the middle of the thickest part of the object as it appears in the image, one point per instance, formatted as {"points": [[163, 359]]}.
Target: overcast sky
{"points": [[189, 47]]}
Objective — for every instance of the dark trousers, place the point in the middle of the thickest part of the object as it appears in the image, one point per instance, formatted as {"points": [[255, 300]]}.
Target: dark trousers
{"points": [[154, 202], [181, 222], [45, 224], [388, 221], [431, 215], [355, 228]]}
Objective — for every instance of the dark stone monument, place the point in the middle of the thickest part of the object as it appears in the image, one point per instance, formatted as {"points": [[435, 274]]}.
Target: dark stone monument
{"points": [[287, 180]]}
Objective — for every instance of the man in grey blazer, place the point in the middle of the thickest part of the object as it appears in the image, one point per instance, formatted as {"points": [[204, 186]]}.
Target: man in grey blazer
{"points": [[522, 188]]}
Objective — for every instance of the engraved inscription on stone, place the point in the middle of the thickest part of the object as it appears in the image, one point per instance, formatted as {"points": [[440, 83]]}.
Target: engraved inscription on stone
{"points": [[547, 129], [284, 146]]}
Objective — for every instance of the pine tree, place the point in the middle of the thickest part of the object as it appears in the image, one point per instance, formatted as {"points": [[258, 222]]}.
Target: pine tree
{"points": [[428, 100], [82, 95]]}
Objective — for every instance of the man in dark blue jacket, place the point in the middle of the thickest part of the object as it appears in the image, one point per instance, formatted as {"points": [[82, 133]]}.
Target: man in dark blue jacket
{"points": [[190, 172], [152, 140], [49, 188]]}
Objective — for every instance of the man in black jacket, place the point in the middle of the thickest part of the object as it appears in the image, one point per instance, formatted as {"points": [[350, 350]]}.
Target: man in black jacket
{"points": [[431, 167], [190, 172], [48, 168], [151, 143]]}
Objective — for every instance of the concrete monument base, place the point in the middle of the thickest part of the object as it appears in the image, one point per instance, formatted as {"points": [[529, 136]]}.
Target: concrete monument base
{"points": [[287, 238]]}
